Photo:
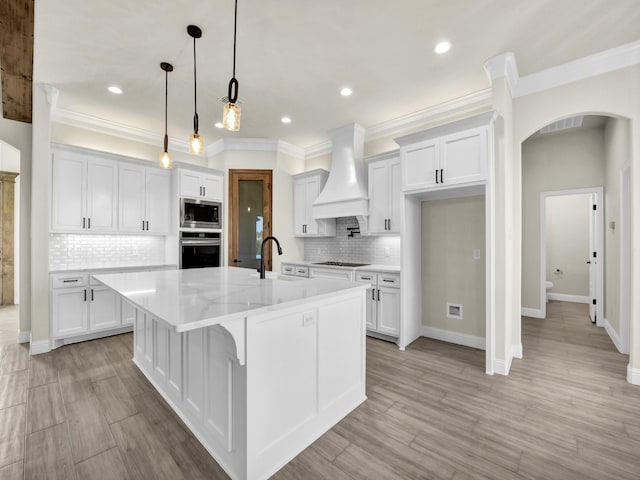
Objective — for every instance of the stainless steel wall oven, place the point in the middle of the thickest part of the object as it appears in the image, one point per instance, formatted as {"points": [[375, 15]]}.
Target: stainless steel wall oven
{"points": [[200, 249]]}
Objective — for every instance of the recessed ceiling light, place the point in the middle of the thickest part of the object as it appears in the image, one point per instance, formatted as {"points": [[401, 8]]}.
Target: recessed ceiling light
{"points": [[442, 47], [285, 120], [346, 91], [219, 125], [114, 89]]}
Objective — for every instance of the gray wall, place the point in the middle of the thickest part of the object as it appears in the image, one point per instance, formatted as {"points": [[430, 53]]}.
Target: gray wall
{"points": [[451, 230]]}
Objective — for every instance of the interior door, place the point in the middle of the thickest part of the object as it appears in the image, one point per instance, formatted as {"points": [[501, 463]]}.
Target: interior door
{"points": [[249, 217], [593, 261]]}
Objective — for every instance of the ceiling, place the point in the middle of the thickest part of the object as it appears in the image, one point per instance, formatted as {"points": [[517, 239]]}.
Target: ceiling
{"points": [[294, 56]]}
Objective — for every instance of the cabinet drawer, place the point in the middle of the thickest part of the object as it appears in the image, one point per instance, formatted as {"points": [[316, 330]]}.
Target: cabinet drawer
{"points": [[391, 280], [288, 270], [331, 273], [66, 280], [302, 271], [367, 277]]}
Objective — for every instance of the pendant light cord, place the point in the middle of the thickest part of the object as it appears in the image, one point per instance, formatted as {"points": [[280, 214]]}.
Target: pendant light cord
{"points": [[235, 23], [195, 90], [166, 103]]}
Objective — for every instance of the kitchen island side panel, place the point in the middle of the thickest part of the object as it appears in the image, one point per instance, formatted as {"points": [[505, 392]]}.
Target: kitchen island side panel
{"points": [[304, 371]]}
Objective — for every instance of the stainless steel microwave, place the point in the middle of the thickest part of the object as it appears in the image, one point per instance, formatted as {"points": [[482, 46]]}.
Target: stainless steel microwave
{"points": [[196, 213]]}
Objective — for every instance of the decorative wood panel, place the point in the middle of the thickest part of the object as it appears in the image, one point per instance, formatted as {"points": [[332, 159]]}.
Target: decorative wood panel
{"points": [[16, 58]]}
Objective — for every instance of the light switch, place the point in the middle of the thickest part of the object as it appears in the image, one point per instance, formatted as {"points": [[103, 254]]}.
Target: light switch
{"points": [[476, 254]]}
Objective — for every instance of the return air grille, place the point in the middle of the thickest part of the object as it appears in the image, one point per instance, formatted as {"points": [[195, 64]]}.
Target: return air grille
{"points": [[572, 122]]}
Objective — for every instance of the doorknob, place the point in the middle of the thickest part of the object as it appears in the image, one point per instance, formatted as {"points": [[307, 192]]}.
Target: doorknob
{"points": [[589, 261]]}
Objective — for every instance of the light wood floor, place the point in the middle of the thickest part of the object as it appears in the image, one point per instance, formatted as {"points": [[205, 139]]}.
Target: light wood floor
{"points": [[564, 412]]}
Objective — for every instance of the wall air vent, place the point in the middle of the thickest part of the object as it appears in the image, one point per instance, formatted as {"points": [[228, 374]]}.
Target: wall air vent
{"points": [[571, 122]]}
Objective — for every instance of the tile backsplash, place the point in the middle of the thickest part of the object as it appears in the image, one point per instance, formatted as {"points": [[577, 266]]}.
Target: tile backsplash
{"points": [[68, 251], [380, 250]]}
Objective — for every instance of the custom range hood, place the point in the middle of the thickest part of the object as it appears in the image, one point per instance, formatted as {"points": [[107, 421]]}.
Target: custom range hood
{"points": [[345, 194]]}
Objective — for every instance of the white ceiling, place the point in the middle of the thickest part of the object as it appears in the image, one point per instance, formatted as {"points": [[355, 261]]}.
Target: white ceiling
{"points": [[294, 56]]}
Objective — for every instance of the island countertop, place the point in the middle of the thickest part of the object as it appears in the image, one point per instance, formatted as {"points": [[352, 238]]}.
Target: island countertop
{"points": [[200, 297]]}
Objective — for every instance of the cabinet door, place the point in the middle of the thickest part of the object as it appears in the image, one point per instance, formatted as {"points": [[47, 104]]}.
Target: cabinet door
{"points": [[69, 312], [212, 187], [420, 163], [158, 208], [464, 156], [312, 190], [127, 313], [395, 195], [190, 184], [131, 198], [322, 272], [299, 207], [102, 196], [389, 311], [378, 196], [104, 308], [372, 303], [68, 189]]}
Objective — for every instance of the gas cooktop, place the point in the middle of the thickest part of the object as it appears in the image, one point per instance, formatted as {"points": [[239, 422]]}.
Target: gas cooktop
{"points": [[342, 264]]}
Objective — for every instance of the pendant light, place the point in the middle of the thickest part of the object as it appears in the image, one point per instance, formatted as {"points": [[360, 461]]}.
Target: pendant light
{"points": [[231, 112], [196, 142], [165, 156]]}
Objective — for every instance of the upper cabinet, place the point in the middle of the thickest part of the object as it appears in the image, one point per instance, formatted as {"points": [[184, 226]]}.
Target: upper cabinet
{"points": [[194, 184], [385, 185], [84, 193], [144, 196], [306, 188], [94, 192], [450, 155]]}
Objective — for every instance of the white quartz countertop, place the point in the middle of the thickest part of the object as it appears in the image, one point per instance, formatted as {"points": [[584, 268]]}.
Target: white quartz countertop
{"points": [[368, 268], [200, 297], [106, 267]]}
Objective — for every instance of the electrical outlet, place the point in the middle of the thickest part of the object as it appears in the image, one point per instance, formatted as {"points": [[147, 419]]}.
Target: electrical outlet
{"points": [[387, 252], [308, 319], [476, 254]]}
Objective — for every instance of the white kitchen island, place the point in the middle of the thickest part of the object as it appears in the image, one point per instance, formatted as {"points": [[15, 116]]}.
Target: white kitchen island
{"points": [[257, 369]]}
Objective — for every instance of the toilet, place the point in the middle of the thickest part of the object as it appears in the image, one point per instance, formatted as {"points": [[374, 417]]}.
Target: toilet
{"points": [[548, 285]]}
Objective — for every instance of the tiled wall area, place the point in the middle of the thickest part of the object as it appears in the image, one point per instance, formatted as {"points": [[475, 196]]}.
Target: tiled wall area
{"points": [[359, 249], [67, 251]]}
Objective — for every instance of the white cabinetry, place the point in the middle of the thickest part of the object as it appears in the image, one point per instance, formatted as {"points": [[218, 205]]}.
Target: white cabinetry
{"points": [[84, 193], [144, 196], [331, 272], [383, 302], [69, 305], [306, 188], [295, 270], [451, 155], [385, 186], [194, 184]]}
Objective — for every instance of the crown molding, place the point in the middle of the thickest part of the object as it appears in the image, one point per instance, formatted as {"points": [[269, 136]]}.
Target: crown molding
{"points": [[100, 125], [504, 65], [413, 120]]}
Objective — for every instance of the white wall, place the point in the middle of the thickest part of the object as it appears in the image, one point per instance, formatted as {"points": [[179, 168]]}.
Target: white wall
{"points": [[567, 243], [561, 161], [617, 153]]}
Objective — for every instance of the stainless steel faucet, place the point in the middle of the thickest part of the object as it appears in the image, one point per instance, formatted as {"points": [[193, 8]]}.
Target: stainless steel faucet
{"points": [[261, 269]]}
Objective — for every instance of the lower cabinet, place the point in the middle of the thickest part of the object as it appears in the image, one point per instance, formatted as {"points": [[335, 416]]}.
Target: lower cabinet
{"points": [[81, 305], [383, 302]]}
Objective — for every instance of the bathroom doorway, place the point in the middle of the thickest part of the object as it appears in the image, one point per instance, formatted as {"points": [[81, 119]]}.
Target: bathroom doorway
{"points": [[571, 249]]}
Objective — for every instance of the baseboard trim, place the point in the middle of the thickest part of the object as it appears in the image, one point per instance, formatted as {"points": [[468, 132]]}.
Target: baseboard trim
{"points": [[24, 336], [453, 337], [516, 350], [615, 338], [501, 366], [531, 312], [41, 346], [633, 375], [563, 297]]}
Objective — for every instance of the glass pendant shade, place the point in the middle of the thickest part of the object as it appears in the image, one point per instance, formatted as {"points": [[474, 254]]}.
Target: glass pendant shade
{"points": [[165, 160], [196, 144], [231, 117]]}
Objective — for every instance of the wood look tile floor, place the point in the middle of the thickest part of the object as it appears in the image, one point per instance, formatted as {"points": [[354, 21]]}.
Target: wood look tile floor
{"points": [[565, 412]]}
